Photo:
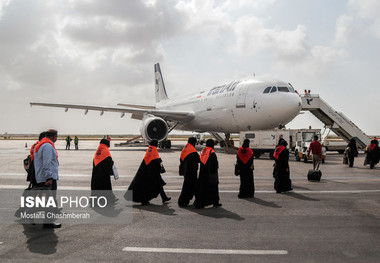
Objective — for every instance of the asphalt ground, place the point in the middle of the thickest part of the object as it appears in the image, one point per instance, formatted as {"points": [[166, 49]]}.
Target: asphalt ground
{"points": [[335, 220]]}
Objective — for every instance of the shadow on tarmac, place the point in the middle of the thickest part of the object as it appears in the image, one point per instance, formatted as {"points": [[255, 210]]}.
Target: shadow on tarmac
{"points": [[216, 213], [160, 209], [40, 240], [263, 202], [301, 197], [300, 187]]}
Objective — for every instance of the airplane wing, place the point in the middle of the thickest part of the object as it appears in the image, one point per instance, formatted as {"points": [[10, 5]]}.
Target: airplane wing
{"points": [[137, 113], [137, 106]]}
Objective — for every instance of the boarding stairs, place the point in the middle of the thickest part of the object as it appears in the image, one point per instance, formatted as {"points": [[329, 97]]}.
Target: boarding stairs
{"points": [[336, 121], [225, 142]]}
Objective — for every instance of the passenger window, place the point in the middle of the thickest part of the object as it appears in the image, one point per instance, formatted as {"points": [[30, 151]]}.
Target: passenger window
{"points": [[283, 89], [267, 90], [274, 89]]}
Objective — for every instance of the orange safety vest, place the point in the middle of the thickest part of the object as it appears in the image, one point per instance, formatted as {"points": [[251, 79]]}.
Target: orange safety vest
{"points": [[42, 142], [101, 153], [206, 152], [189, 148], [278, 151], [244, 157], [151, 154]]}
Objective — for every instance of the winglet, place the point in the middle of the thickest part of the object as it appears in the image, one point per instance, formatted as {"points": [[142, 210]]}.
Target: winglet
{"points": [[159, 84]]}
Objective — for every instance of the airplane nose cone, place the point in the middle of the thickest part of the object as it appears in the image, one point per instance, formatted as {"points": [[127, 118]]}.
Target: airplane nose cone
{"points": [[290, 107]]}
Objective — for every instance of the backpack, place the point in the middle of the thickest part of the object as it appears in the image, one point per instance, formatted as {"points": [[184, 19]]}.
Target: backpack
{"points": [[31, 175], [27, 162]]}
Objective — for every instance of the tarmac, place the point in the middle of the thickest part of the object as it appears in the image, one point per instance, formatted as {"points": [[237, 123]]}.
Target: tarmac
{"points": [[335, 220]]}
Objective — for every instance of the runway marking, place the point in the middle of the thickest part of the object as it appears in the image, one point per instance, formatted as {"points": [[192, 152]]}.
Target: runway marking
{"points": [[87, 188], [205, 251]]}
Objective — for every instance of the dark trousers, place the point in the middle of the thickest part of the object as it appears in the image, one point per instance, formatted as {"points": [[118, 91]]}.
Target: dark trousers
{"points": [[351, 160]]}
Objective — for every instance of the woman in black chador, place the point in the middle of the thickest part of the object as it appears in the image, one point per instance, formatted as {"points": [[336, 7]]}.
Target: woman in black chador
{"points": [[188, 168], [244, 162], [207, 192], [102, 167], [372, 154], [352, 152], [148, 183], [281, 171]]}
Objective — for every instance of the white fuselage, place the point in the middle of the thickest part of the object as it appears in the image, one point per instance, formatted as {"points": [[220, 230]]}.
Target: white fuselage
{"points": [[237, 106]]}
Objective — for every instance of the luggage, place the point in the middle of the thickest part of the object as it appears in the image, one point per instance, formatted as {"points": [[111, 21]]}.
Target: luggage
{"points": [[314, 175]]}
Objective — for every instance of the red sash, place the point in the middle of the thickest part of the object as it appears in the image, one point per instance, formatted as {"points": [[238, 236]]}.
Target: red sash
{"points": [[101, 153], [278, 151], [42, 142], [206, 152], [372, 146], [189, 148], [151, 154], [244, 157], [32, 151]]}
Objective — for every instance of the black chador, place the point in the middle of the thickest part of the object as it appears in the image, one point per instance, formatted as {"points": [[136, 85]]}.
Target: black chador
{"points": [[244, 164], [207, 192], [102, 167], [372, 154], [188, 168], [148, 183], [352, 152], [281, 172]]}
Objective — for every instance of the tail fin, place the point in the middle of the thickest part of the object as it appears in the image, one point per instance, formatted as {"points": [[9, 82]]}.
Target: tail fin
{"points": [[159, 84]]}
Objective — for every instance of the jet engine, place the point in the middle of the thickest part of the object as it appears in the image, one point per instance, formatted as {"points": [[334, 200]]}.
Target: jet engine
{"points": [[154, 128]]}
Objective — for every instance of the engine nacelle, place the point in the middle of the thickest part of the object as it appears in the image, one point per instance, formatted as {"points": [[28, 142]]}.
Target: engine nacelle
{"points": [[154, 128]]}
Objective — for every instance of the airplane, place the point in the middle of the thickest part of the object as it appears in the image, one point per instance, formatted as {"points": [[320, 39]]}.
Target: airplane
{"points": [[241, 105]]}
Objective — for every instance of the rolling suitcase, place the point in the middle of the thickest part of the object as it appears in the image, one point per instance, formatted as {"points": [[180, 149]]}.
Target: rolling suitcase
{"points": [[314, 175]]}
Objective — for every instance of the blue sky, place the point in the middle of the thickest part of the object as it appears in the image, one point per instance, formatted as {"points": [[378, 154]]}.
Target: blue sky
{"points": [[102, 53]]}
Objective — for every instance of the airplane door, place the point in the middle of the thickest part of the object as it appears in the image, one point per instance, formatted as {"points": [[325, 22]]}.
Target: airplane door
{"points": [[240, 101]]}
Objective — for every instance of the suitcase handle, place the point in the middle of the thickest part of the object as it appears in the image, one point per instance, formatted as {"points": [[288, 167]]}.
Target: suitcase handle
{"points": [[318, 166]]}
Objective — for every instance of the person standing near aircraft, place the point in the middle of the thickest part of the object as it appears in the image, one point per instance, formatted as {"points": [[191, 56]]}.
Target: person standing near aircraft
{"points": [[31, 178], [188, 168], [76, 141], [316, 149], [244, 162], [372, 153], [281, 172], [281, 138], [148, 183], [46, 165], [102, 167], [102, 171], [207, 192], [68, 140], [351, 152]]}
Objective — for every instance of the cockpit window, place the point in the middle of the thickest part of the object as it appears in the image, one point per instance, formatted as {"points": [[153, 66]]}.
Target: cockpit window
{"points": [[274, 89], [291, 89], [267, 90], [283, 89]]}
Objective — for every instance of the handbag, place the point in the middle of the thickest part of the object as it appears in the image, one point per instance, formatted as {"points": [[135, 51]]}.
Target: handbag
{"points": [[180, 170], [162, 169], [237, 171], [345, 161], [115, 172]]}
